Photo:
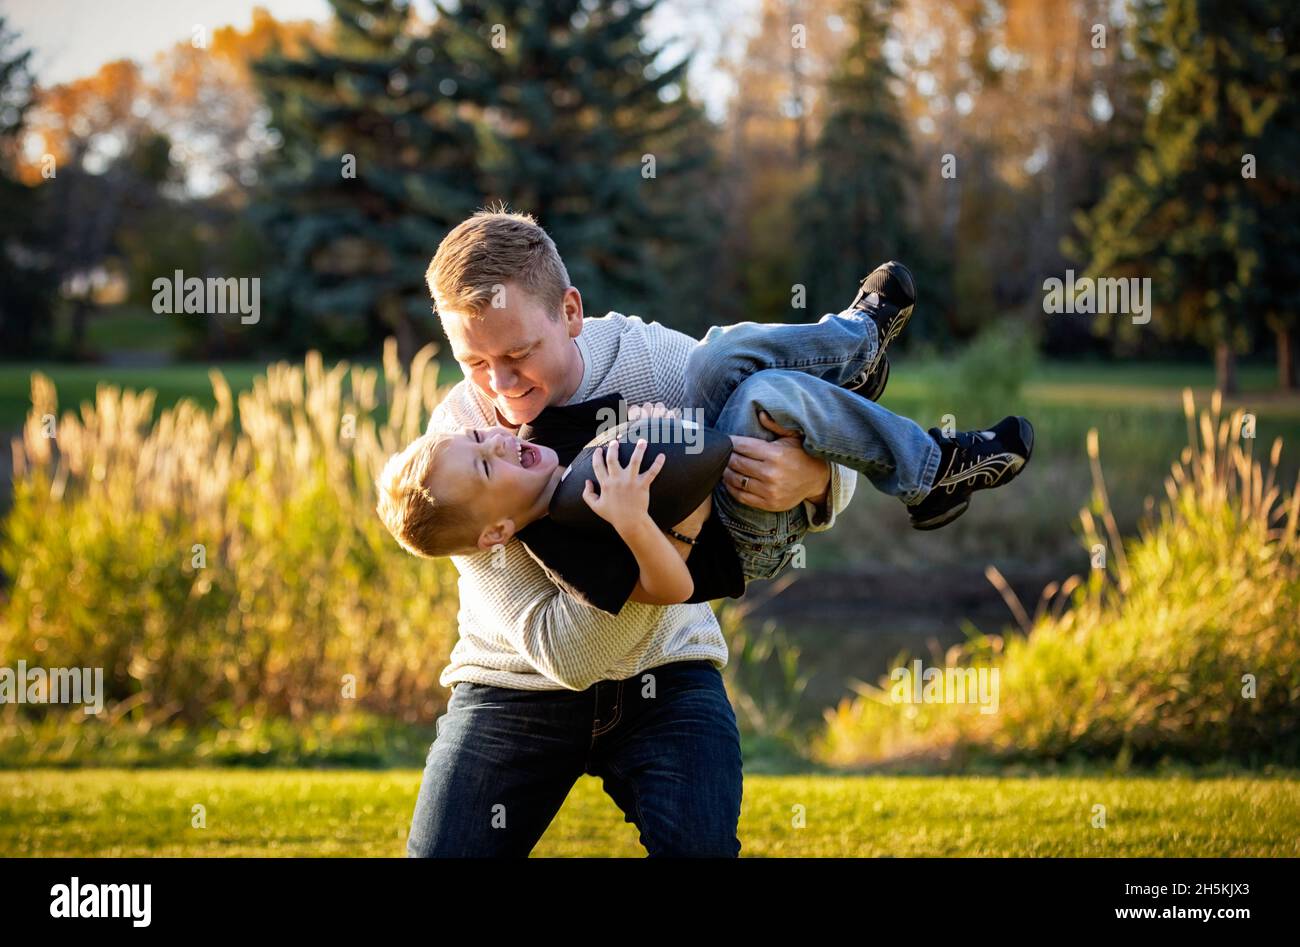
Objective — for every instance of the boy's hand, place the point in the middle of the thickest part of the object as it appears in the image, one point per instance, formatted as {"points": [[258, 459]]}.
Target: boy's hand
{"points": [[624, 499]]}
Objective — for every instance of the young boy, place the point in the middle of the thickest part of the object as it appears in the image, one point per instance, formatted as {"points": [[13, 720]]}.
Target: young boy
{"points": [[820, 379]]}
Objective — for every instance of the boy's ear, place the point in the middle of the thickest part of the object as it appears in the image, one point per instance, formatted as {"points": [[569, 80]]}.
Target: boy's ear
{"points": [[499, 532]]}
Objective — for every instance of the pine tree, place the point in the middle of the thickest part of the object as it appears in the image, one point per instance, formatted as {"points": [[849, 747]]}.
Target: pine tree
{"points": [[26, 280], [586, 131], [853, 217], [377, 164], [1211, 211], [555, 108]]}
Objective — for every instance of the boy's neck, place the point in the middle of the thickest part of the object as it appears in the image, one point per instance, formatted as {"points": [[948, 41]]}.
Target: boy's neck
{"points": [[542, 505]]}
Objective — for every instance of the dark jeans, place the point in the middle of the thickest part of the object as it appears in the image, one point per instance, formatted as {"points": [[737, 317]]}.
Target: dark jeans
{"points": [[664, 742]]}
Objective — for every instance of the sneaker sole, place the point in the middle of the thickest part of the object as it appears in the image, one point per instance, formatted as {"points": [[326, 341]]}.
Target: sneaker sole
{"points": [[944, 518], [882, 379], [904, 277]]}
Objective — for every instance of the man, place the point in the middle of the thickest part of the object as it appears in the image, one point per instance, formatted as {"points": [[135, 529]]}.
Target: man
{"points": [[544, 687]]}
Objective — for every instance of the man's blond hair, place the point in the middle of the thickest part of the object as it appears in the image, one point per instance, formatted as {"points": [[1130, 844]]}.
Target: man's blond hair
{"points": [[422, 523], [488, 250]]}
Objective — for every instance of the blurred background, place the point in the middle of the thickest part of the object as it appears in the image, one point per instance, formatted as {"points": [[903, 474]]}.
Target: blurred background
{"points": [[187, 498]]}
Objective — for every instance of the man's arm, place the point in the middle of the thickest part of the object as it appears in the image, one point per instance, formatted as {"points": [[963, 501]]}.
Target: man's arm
{"points": [[778, 475], [821, 511]]}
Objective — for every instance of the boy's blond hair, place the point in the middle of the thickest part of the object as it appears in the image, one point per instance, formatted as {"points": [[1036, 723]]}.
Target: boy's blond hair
{"points": [[421, 522], [489, 249]]}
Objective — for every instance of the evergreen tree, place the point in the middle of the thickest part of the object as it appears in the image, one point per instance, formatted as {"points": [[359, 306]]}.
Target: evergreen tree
{"points": [[26, 281], [1211, 211], [556, 108], [587, 132], [853, 217], [377, 164]]}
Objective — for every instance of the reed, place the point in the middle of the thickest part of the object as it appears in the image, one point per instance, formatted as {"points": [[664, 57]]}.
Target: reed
{"points": [[1181, 642], [226, 566]]}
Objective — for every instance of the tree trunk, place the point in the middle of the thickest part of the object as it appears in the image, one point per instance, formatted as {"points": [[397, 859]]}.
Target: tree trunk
{"points": [[1225, 368], [77, 335], [395, 317], [1286, 359]]}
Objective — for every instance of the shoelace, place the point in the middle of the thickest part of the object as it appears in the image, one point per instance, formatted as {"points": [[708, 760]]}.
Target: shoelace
{"points": [[966, 442]]}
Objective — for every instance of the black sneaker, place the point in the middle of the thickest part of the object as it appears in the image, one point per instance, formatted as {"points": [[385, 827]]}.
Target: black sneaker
{"points": [[873, 386], [970, 461], [887, 295]]}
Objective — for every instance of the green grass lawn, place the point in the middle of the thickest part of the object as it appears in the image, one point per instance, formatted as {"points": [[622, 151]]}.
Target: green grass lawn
{"points": [[1088, 387], [77, 383], [313, 813]]}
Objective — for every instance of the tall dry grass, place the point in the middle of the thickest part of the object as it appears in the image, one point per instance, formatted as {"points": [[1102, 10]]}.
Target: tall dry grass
{"points": [[1184, 644], [302, 588]]}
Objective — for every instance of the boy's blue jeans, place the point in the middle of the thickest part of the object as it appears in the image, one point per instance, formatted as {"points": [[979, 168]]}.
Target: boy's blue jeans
{"points": [[794, 372]]}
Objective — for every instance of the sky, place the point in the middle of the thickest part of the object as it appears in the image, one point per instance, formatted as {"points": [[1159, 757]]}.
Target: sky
{"points": [[73, 38]]}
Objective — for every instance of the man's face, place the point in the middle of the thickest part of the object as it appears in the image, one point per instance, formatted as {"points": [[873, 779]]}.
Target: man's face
{"points": [[500, 476], [517, 355]]}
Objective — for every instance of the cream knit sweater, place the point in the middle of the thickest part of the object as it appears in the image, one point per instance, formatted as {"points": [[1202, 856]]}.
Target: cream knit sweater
{"points": [[517, 629]]}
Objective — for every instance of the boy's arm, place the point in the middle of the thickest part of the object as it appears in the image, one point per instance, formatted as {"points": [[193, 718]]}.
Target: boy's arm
{"points": [[623, 502], [664, 580], [689, 527]]}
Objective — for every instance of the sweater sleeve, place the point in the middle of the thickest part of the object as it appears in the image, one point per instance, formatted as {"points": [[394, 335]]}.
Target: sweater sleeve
{"points": [[844, 481], [668, 352]]}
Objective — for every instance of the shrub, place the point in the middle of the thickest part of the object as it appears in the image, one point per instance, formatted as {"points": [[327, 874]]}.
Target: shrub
{"points": [[226, 567], [1156, 652], [985, 380]]}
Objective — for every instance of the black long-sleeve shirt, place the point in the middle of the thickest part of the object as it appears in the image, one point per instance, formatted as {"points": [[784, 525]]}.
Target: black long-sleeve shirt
{"points": [[597, 567]]}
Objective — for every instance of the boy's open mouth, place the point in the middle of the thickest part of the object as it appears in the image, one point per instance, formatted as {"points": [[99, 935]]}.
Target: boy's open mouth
{"points": [[528, 455]]}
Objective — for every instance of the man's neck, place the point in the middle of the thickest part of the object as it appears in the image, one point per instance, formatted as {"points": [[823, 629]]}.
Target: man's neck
{"points": [[576, 369]]}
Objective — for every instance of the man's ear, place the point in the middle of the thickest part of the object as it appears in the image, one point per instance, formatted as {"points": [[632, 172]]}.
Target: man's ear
{"points": [[572, 309], [499, 532]]}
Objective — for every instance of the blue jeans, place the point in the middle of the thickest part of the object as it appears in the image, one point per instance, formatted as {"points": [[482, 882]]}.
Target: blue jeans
{"points": [[794, 372], [664, 742]]}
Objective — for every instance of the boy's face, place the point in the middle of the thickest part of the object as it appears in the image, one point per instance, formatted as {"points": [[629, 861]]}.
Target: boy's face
{"points": [[501, 478], [517, 355]]}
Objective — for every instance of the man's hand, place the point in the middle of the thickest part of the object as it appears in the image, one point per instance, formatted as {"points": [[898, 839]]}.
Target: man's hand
{"points": [[775, 475], [652, 409]]}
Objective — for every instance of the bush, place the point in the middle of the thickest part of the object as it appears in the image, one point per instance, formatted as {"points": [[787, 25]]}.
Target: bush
{"points": [[226, 567], [1157, 651], [985, 379]]}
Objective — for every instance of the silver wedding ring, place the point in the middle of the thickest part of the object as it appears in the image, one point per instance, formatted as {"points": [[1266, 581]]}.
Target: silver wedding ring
{"points": [[744, 483]]}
